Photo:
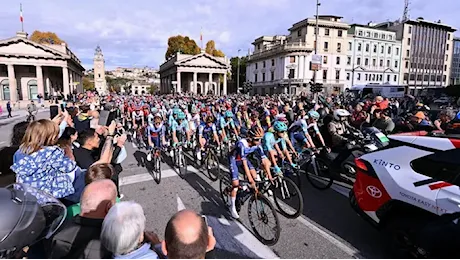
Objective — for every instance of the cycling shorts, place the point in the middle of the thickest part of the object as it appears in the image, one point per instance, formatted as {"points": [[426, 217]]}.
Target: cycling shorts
{"points": [[237, 166]]}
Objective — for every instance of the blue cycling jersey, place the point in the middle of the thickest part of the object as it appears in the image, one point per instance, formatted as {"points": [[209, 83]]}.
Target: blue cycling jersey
{"points": [[182, 127], [269, 140], [224, 124], [207, 131], [242, 150]]}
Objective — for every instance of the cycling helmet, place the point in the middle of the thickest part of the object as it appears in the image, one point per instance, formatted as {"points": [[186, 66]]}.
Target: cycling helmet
{"points": [[176, 111], [338, 113], [210, 119], [256, 132], [28, 215], [181, 115], [154, 110], [193, 110], [228, 114], [280, 126], [313, 114]]}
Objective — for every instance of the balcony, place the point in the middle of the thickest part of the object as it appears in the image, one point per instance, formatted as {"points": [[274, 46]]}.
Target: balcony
{"points": [[271, 50]]}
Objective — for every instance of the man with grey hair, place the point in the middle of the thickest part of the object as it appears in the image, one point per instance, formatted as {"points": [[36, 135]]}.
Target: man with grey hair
{"points": [[79, 236], [123, 233]]}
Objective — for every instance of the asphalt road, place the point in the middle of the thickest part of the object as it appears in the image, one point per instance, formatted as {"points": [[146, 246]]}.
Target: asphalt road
{"points": [[328, 227]]}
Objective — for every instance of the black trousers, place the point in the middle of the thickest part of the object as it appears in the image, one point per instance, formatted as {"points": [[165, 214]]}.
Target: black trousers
{"points": [[9, 113]]}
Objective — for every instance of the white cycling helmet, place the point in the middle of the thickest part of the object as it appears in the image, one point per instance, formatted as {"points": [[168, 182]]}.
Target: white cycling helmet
{"points": [[338, 113]]}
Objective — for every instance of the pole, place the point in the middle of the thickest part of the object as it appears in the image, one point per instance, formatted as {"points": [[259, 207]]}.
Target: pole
{"points": [[316, 44], [238, 74], [22, 19], [353, 62]]}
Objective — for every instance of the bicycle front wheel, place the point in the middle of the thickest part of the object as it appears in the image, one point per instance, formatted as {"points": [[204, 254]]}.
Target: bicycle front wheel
{"points": [[213, 167], [182, 163], [318, 174], [288, 198], [157, 168], [224, 187], [264, 220]]}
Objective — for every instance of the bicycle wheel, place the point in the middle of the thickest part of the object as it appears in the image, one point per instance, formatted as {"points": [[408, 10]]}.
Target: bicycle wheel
{"points": [[182, 163], [157, 168], [288, 197], [212, 166], [318, 174], [261, 210], [224, 187]]}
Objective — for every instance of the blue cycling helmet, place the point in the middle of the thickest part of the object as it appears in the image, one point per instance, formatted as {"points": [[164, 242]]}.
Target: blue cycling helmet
{"points": [[313, 114], [181, 115], [280, 126], [176, 111], [228, 114]]}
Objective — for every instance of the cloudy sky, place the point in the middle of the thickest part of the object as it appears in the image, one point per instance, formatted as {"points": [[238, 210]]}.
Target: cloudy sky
{"points": [[135, 32]]}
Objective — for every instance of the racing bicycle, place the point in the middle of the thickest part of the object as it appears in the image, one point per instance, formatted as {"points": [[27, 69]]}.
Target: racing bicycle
{"points": [[179, 157], [315, 168], [211, 160], [156, 163]]}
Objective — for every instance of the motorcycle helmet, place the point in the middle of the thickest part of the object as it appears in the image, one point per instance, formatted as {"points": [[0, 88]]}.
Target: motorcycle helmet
{"points": [[280, 126], [339, 113], [322, 112], [256, 132], [313, 115], [28, 215], [181, 115]]}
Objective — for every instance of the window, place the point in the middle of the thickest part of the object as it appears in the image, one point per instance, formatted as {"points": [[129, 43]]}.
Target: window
{"points": [[326, 45], [410, 29], [337, 61], [299, 33], [272, 76], [366, 61], [396, 64], [445, 67], [395, 78], [447, 57], [339, 33], [376, 35], [373, 77], [368, 34], [99, 75], [263, 77], [382, 49], [359, 46], [256, 65], [348, 60], [315, 30], [448, 36], [255, 78], [407, 53], [383, 36], [380, 77], [324, 59], [337, 74], [348, 76], [381, 63], [291, 73], [390, 37], [407, 64], [447, 47], [388, 78], [388, 63], [339, 47], [358, 61], [408, 41], [263, 64], [292, 59], [359, 76], [406, 76], [440, 165], [389, 49], [360, 33], [273, 62], [397, 51], [367, 47], [350, 45], [326, 32], [324, 74], [5, 88], [375, 48], [365, 76]]}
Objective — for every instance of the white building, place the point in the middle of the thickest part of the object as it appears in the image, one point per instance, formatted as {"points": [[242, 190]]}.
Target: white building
{"points": [[374, 56], [100, 82], [277, 57]]}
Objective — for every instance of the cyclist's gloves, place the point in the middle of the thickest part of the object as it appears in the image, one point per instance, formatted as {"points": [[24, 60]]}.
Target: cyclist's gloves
{"points": [[293, 165], [277, 169]]}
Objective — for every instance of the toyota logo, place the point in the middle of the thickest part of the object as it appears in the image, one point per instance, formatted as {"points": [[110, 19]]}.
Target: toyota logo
{"points": [[374, 191]]}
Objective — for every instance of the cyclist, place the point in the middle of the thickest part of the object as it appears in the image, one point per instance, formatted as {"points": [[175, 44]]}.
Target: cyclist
{"points": [[313, 129], [275, 144], [180, 128], [138, 117], [238, 158], [298, 133], [156, 134], [205, 132], [226, 122]]}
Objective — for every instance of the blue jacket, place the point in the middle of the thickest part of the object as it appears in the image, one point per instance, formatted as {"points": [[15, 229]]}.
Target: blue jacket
{"points": [[143, 252]]}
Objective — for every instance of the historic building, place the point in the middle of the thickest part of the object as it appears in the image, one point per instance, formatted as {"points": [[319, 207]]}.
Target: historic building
{"points": [[282, 61], [426, 49], [374, 56], [28, 69], [99, 72], [200, 74], [455, 71]]}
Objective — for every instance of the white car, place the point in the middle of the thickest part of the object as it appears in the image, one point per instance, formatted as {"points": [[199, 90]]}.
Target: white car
{"points": [[408, 185], [442, 100]]}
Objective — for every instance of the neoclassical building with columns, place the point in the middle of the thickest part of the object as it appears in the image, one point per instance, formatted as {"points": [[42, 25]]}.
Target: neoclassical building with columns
{"points": [[28, 69], [199, 74]]}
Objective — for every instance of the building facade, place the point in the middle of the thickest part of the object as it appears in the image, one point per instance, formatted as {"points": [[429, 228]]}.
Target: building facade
{"points": [[374, 56], [100, 82], [28, 69], [199, 74], [426, 53], [137, 88], [282, 63], [455, 69]]}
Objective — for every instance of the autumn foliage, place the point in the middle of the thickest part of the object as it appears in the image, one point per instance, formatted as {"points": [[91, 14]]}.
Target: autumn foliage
{"points": [[185, 45], [45, 37]]}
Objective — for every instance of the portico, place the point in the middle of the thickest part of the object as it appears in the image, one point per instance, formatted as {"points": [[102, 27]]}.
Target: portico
{"points": [[199, 74], [28, 69]]}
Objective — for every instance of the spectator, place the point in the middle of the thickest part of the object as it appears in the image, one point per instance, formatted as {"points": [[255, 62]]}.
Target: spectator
{"points": [[383, 121], [7, 176], [123, 233], [79, 237], [187, 236], [358, 116], [66, 140], [83, 120], [445, 117], [8, 108]]}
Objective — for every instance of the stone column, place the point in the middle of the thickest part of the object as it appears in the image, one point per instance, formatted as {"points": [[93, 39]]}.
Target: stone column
{"points": [[48, 86], [65, 81], [179, 86], [13, 83], [71, 82], [40, 86], [224, 90], [194, 89], [302, 67], [209, 84]]}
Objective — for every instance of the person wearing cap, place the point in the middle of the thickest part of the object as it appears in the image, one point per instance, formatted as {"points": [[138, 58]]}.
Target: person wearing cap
{"points": [[383, 121]]}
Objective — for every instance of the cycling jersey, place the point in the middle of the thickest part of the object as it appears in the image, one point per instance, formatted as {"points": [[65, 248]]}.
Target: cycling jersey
{"points": [[240, 153], [155, 133], [194, 121], [150, 119], [207, 131], [224, 124], [137, 117], [299, 125], [176, 127], [269, 140]]}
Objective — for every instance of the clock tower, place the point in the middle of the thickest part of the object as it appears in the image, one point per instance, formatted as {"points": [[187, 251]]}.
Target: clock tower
{"points": [[99, 72]]}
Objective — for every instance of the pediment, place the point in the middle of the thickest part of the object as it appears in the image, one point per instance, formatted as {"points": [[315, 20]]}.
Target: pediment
{"points": [[202, 60], [26, 48]]}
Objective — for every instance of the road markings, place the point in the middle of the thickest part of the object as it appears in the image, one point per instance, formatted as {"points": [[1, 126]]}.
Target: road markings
{"points": [[180, 204], [137, 178]]}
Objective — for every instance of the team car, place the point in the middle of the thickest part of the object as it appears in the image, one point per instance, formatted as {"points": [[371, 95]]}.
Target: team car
{"points": [[410, 190]]}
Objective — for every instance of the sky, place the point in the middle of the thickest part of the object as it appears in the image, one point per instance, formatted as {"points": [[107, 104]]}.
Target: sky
{"points": [[135, 33]]}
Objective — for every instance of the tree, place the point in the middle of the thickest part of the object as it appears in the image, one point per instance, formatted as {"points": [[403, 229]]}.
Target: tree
{"points": [[152, 89], [88, 84], [181, 44], [211, 49], [234, 65], [45, 37]]}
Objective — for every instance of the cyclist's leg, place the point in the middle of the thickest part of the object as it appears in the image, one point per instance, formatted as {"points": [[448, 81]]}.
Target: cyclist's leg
{"points": [[235, 185]]}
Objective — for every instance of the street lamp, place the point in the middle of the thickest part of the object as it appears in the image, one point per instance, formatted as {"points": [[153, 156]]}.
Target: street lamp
{"points": [[238, 74], [316, 41]]}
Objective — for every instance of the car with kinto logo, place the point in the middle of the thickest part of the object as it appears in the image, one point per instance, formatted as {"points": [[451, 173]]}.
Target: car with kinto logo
{"points": [[410, 190]]}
